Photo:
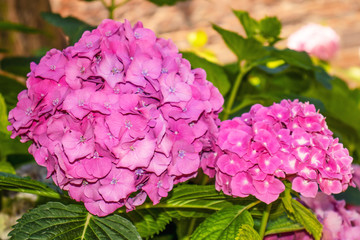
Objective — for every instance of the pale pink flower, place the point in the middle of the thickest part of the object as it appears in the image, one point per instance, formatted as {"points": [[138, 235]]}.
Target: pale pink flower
{"points": [[315, 39]]}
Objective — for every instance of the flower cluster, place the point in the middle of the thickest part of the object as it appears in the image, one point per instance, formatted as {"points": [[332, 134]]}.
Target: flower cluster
{"points": [[315, 39], [120, 113], [289, 141], [339, 220]]}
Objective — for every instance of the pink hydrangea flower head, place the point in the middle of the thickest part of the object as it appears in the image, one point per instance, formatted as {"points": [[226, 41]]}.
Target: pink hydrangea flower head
{"points": [[320, 41], [285, 141], [120, 113]]}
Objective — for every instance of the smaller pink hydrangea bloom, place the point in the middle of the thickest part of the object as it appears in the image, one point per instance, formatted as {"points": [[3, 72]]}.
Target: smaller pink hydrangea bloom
{"points": [[285, 141], [320, 41]]}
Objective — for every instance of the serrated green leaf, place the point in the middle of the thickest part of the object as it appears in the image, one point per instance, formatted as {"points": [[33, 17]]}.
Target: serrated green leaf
{"points": [[270, 27], [246, 232], [223, 224], [287, 198], [185, 201], [244, 49], [250, 25], [295, 58], [306, 218], [72, 27], [16, 183], [149, 222], [282, 224], [56, 221], [19, 66], [214, 72], [11, 26]]}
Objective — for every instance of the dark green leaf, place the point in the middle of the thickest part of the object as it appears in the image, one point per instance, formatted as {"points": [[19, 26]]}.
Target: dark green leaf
{"points": [[246, 232], [244, 49], [10, 88], [249, 24], [298, 59], [185, 201], [3, 117], [19, 184], [72, 27], [306, 218], [18, 65], [223, 224], [149, 221], [3, 50], [214, 72], [323, 77], [270, 27], [11, 26], [351, 196], [165, 2], [56, 221]]}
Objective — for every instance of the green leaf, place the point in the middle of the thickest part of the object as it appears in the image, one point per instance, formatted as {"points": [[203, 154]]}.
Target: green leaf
{"points": [[223, 224], [270, 27], [306, 218], [165, 2], [287, 198], [249, 24], [11, 26], [19, 66], [351, 196], [323, 77], [3, 117], [20, 184], [72, 27], [298, 59], [57, 221], [214, 72], [6, 167], [244, 49], [185, 201], [149, 222], [282, 224], [10, 88], [246, 232]]}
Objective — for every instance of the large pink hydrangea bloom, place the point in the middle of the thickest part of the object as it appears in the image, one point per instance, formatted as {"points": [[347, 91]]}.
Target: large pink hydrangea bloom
{"points": [[289, 140], [320, 41], [120, 112]]}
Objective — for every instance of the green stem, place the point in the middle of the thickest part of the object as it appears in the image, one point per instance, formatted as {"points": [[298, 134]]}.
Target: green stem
{"points": [[230, 103], [264, 221]]}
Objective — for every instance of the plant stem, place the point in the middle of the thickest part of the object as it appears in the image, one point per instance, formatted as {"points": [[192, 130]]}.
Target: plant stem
{"points": [[264, 221], [230, 103]]}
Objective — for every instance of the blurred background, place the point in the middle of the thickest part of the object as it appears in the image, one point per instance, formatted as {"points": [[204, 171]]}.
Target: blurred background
{"points": [[178, 21]]}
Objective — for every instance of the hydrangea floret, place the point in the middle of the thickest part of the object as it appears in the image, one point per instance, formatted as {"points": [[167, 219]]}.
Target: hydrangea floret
{"points": [[286, 141], [315, 39], [117, 117]]}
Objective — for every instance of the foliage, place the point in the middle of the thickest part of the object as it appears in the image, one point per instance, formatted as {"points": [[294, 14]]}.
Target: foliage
{"points": [[262, 74]]}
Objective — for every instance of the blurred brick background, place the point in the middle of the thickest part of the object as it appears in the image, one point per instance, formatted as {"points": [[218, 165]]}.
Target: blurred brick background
{"points": [[177, 21]]}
